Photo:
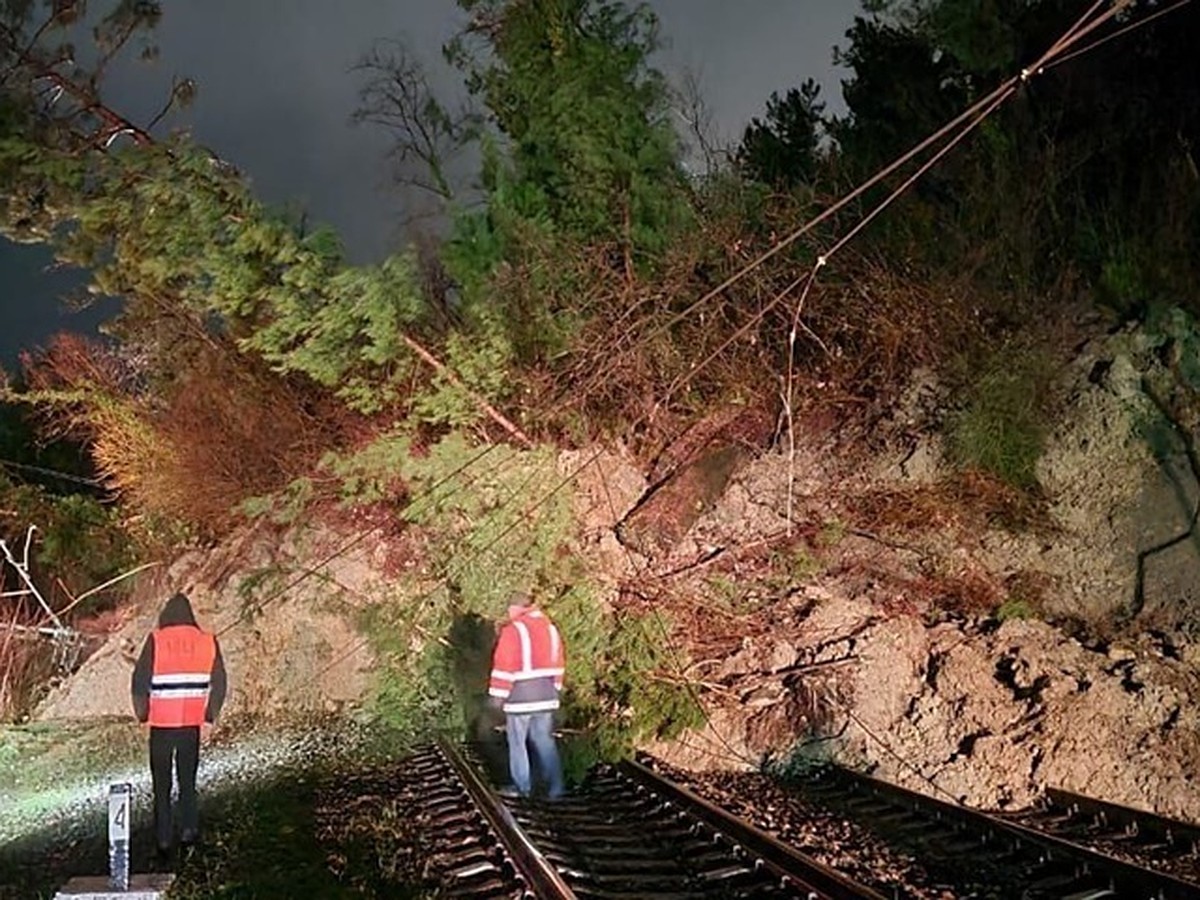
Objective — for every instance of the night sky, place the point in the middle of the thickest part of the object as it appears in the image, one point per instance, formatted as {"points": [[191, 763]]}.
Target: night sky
{"points": [[275, 94]]}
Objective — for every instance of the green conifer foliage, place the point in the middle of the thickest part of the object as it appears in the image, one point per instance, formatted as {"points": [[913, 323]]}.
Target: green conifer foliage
{"points": [[179, 237], [197, 261], [782, 150], [591, 148]]}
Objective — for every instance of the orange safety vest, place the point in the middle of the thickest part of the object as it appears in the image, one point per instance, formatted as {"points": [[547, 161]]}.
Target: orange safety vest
{"points": [[183, 664], [528, 664]]}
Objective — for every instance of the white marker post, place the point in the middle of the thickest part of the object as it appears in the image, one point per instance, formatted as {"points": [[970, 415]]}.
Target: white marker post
{"points": [[120, 803], [120, 884]]}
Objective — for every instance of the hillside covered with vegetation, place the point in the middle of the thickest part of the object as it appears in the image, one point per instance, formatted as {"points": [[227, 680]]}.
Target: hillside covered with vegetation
{"points": [[606, 278]]}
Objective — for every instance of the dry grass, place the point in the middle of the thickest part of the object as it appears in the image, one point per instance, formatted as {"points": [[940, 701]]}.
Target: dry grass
{"points": [[25, 662], [190, 450], [236, 432], [961, 506]]}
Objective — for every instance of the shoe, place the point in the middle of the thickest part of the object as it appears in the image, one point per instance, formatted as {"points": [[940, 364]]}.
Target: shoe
{"points": [[510, 792], [188, 847]]}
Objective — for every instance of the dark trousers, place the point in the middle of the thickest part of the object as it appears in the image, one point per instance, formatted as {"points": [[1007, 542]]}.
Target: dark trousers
{"points": [[182, 745]]}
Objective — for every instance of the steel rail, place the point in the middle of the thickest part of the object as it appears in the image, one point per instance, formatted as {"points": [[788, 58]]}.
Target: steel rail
{"points": [[1130, 879], [792, 867], [1171, 832], [540, 877]]}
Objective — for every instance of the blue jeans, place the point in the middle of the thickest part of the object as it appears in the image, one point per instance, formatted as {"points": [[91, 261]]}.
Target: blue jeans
{"points": [[536, 729]]}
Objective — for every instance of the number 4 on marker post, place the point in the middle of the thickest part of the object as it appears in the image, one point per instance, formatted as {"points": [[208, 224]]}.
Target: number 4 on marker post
{"points": [[120, 797]]}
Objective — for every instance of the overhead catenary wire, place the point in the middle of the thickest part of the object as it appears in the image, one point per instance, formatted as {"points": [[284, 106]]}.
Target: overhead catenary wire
{"points": [[899, 757], [998, 97], [787, 241], [784, 243], [978, 110], [1083, 26], [789, 392], [970, 118], [1132, 26]]}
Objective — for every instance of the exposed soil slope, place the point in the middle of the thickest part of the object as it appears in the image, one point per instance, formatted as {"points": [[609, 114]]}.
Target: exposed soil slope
{"points": [[855, 599], [285, 616]]}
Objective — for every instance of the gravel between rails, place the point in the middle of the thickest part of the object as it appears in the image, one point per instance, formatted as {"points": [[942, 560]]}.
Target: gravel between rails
{"points": [[825, 836]]}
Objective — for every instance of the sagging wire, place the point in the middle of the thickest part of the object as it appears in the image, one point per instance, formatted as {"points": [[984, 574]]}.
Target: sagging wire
{"points": [[1132, 26], [1081, 28], [971, 118], [995, 99], [789, 391]]}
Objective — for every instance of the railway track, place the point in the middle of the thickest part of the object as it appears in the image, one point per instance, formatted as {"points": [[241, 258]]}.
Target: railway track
{"points": [[1133, 836], [628, 832], [1067, 847], [462, 854]]}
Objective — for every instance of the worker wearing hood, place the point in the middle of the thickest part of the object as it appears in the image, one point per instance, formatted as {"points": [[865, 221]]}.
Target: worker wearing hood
{"points": [[178, 685]]}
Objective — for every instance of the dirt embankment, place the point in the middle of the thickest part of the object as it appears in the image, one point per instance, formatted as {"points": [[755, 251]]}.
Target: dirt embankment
{"points": [[986, 715], [285, 617], [808, 620], [952, 655]]}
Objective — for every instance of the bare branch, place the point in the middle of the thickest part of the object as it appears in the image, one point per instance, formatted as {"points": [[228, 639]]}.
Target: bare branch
{"points": [[183, 91], [75, 601], [490, 411], [693, 110], [396, 96]]}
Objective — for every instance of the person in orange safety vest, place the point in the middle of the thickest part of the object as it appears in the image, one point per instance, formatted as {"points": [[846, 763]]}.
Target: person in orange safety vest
{"points": [[526, 679], [178, 685]]}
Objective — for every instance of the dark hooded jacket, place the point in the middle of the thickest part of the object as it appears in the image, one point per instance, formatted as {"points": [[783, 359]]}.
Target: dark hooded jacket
{"points": [[176, 611]]}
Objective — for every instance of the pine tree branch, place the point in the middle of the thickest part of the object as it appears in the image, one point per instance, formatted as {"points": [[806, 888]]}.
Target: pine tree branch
{"points": [[118, 124], [115, 124], [492, 413]]}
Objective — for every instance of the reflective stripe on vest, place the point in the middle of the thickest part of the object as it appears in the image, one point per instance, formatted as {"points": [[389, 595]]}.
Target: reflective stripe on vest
{"points": [[183, 663], [527, 665]]}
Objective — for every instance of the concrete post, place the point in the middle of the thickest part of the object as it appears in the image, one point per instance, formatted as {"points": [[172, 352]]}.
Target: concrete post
{"points": [[120, 884], [120, 802]]}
